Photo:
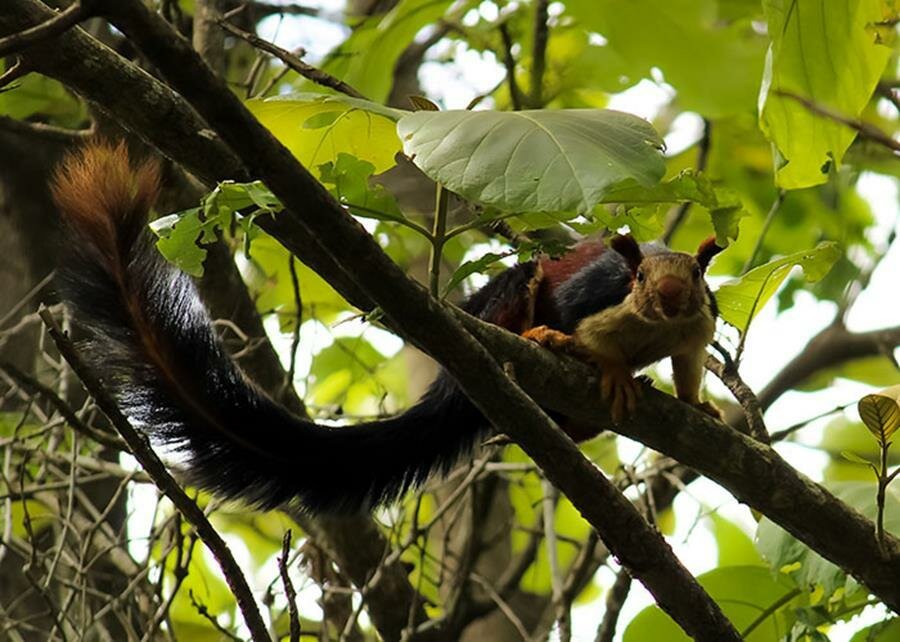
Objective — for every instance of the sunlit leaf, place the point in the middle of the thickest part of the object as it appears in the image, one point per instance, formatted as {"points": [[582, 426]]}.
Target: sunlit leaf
{"points": [[887, 631], [743, 593], [316, 128], [533, 161], [735, 546], [781, 549], [880, 413], [741, 299], [366, 60], [713, 63], [468, 268], [824, 51]]}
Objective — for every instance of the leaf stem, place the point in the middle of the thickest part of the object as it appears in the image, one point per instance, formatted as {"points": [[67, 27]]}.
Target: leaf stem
{"points": [[774, 606], [773, 210], [379, 215], [438, 237], [883, 481]]}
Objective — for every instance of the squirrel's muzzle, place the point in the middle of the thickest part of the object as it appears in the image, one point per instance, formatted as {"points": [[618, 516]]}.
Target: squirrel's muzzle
{"points": [[670, 291]]}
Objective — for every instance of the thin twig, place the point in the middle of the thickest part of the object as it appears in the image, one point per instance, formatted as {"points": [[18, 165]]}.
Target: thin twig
{"points": [[614, 602], [864, 129], [728, 374], [309, 72], [539, 53], [515, 93], [289, 591], [703, 146], [761, 237], [164, 481]]}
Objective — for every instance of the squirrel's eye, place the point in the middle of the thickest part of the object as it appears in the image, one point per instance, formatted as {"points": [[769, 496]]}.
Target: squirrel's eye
{"points": [[697, 272], [640, 276]]}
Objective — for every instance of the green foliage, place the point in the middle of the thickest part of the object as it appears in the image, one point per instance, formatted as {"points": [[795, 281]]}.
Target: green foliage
{"points": [[748, 595], [734, 546], [366, 60], [182, 234], [886, 631], [317, 128], [826, 51], [39, 97], [880, 413], [807, 568], [533, 161], [741, 299], [715, 61]]}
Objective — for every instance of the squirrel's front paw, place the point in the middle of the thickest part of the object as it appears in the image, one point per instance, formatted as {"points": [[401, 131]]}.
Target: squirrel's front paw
{"points": [[552, 339], [620, 390]]}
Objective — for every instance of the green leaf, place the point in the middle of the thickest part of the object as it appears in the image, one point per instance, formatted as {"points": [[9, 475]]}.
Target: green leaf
{"points": [[735, 546], [316, 128], [876, 371], [269, 275], [348, 179], [825, 51], [743, 593], [808, 568], [880, 413], [887, 631], [366, 60], [468, 268], [856, 459], [533, 161], [741, 299], [178, 235], [712, 61], [182, 233]]}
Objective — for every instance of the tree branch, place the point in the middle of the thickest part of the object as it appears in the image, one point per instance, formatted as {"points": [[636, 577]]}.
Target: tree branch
{"points": [[51, 27]]}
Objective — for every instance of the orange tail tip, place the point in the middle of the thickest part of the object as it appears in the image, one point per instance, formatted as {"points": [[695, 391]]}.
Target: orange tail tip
{"points": [[100, 192]]}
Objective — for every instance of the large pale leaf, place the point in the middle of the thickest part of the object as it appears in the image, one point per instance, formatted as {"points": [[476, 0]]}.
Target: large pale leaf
{"points": [[713, 60], [880, 413], [808, 568], [828, 52], [743, 592], [533, 161], [317, 128], [741, 299]]}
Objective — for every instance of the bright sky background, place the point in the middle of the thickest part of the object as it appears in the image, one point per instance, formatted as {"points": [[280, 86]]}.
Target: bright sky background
{"points": [[773, 339]]}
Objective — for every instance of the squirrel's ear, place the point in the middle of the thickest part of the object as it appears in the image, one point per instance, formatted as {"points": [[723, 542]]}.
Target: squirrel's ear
{"points": [[625, 245], [707, 250]]}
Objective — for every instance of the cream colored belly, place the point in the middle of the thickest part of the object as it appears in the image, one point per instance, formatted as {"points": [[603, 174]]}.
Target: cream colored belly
{"points": [[619, 335]]}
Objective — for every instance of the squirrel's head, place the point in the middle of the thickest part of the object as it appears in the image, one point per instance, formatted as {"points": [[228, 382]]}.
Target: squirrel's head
{"points": [[666, 285]]}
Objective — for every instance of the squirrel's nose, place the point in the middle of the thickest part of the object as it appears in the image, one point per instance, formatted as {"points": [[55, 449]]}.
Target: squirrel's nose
{"points": [[670, 289]]}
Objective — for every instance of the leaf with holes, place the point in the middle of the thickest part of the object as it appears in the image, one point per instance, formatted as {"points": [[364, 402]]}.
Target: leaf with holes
{"points": [[881, 413], [534, 161], [827, 52]]}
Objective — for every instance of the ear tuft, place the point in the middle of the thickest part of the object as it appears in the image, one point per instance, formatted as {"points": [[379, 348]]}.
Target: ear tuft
{"points": [[625, 245], [707, 250]]}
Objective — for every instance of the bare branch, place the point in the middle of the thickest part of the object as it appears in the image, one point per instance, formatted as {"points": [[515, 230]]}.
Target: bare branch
{"points": [[62, 22], [307, 71]]}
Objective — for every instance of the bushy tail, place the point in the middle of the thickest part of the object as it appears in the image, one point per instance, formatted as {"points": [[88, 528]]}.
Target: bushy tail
{"points": [[152, 343]]}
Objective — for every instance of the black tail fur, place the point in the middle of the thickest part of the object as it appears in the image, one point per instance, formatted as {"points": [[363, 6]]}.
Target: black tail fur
{"points": [[154, 346]]}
